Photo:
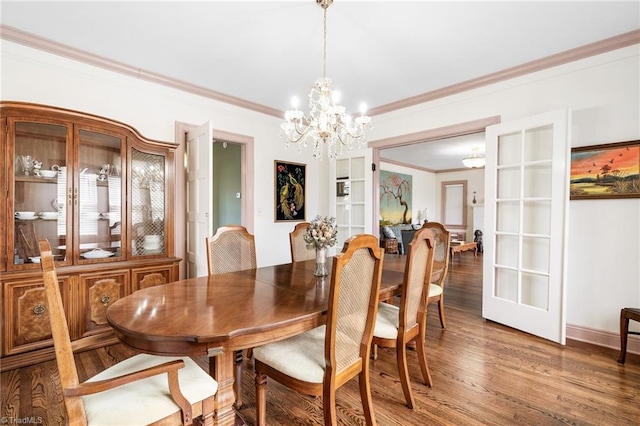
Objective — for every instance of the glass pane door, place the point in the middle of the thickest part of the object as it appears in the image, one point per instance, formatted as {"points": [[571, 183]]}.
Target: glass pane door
{"points": [[526, 188], [147, 203], [40, 152], [352, 197], [98, 195]]}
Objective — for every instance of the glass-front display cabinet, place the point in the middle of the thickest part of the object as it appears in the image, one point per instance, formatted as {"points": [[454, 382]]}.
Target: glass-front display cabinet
{"points": [[67, 187], [100, 193]]}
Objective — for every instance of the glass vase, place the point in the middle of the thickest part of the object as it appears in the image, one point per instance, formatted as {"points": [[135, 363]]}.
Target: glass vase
{"points": [[321, 262]]}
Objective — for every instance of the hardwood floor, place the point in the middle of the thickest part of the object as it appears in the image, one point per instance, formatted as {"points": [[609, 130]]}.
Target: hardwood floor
{"points": [[484, 374]]}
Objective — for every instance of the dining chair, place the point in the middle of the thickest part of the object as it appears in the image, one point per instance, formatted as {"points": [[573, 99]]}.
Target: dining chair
{"points": [[299, 249], [440, 267], [321, 360], [398, 325], [232, 248], [143, 389]]}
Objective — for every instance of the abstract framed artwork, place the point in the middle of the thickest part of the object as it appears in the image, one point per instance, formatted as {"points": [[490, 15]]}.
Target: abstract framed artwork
{"points": [[605, 171], [290, 181], [395, 198]]}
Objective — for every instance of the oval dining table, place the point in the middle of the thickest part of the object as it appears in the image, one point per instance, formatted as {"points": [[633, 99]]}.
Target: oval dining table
{"points": [[218, 315]]}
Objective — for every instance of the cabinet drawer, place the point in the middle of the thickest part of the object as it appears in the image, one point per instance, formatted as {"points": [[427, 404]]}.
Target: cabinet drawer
{"points": [[97, 292], [26, 315], [152, 276]]}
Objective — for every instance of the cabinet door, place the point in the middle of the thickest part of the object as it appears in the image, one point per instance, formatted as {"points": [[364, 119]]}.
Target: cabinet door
{"points": [[97, 292], [142, 278], [149, 204], [38, 191], [26, 316], [99, 198]]}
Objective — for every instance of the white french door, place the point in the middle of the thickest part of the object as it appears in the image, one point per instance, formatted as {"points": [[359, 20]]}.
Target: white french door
{"points": [[350, 194], [526, 208], [199, 197]]}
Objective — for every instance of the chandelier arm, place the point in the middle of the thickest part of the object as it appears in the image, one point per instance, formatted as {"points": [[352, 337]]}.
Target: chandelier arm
{"points": [[301, 131], [355, 134]]}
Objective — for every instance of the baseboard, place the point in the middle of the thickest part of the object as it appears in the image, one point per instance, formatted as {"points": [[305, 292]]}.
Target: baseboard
{"points": [[602, 338]]}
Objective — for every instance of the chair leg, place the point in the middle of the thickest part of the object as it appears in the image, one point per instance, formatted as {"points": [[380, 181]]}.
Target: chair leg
{"points": [[422, 360], [261, 399], [443, 321], [365, 395], [624, 331], [329, 405], [403, 373]]}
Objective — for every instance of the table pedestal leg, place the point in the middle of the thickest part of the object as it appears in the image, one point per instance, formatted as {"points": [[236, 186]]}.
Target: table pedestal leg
{"points": [[221, 368]]}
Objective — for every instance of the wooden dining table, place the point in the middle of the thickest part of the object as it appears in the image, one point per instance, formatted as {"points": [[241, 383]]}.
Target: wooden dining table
{"points": [[218, 315]]}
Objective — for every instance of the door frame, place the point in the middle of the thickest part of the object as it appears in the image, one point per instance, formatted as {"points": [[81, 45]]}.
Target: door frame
{"points": [[246, 184], [459, 129]]}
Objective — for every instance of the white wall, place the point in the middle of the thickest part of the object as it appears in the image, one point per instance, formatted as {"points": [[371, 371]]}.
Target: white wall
{"points": [[602, 91], [475, 182], [30, 75]]}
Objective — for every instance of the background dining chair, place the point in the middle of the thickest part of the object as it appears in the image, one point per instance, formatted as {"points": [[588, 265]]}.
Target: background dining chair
{"points": [[232, 249], [299, 249], [319, 361], [398, 325], [440, 266], [143, 389]]}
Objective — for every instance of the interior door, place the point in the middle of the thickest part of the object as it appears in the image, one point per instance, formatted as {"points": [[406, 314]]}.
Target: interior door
{"points": [[526, 207], [350, 194], [199, 198]]}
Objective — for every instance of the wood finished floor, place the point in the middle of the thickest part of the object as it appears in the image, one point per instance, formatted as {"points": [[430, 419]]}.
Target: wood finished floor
{"points": [[484, 374]]}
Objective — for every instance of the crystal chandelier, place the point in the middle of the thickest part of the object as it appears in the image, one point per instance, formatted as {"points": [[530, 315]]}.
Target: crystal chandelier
{"points": [[474, 161], [326, 122]]}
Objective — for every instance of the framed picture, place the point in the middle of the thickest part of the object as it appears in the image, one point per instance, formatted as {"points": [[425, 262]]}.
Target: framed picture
{"points": [[605, 171], [290, 181], [342, 189], [395, 198]]}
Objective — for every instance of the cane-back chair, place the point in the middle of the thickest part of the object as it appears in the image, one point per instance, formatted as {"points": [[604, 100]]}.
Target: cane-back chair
{"points": [[319, 361], [232, 249], [299, 249], [440, 266], [398, 325]]}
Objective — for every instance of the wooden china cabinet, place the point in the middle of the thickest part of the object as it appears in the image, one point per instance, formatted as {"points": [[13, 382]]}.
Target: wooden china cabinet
{"points": [[101, 194]]}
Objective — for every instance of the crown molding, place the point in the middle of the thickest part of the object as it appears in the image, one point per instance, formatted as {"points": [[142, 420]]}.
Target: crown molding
{"points": [[602, 46], [28, 39], [21, 37]]}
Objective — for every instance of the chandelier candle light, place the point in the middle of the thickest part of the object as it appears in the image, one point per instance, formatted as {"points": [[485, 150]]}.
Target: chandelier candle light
{"points": [[326, 122], [322, 233]]}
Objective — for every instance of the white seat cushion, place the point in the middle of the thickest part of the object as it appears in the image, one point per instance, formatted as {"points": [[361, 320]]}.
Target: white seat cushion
{"points": [[387, 321], [147, 400], [434, 290], [301, 356]]}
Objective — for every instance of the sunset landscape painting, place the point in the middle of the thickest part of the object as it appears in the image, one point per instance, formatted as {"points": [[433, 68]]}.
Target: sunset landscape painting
{"points": [[606, 171]]}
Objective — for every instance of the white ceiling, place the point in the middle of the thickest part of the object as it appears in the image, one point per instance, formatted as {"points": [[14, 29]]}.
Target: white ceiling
{"points": [[378, 52]]}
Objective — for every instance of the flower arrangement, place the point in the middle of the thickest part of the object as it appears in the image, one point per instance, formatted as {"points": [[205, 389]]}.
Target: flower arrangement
{"points": [[323, 232]]}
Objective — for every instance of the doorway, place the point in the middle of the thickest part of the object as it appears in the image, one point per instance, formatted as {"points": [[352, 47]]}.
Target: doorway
{"points": [[246, 146], [227, 184], [423, 138]]}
